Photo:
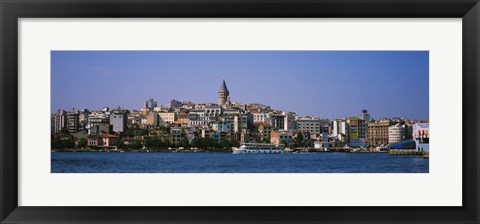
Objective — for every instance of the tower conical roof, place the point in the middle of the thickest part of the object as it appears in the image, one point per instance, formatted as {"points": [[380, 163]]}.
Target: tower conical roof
{"points": [[223, 86]]}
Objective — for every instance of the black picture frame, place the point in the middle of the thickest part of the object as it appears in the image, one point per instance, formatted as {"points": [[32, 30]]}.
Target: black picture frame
{"points": [[12, 10]]}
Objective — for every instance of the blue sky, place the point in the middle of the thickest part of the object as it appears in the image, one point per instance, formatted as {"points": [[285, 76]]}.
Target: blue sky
{"points": [[328, 84]]}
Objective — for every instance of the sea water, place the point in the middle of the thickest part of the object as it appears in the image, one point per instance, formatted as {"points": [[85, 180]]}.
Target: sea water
{"points": [[325, 162]]}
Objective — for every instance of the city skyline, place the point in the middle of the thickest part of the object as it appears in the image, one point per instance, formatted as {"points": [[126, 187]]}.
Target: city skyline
{"points": [[326, 84]]}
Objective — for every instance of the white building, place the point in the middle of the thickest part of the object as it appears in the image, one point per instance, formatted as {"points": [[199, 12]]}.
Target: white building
{"points": [[118, 120], [341, 130], [421, 135], [396, 133], [166, 118], [289, 121], [365, 115], [259, 117]]}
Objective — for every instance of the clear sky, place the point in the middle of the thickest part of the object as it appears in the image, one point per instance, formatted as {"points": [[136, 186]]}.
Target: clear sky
{"points": [[327, 84]]}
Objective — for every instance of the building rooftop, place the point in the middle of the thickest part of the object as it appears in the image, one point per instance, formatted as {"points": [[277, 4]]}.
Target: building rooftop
{"points": [[223, 86]]}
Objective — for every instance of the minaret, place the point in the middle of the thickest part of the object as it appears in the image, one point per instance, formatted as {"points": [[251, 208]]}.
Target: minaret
{"points": [[223, 94]]}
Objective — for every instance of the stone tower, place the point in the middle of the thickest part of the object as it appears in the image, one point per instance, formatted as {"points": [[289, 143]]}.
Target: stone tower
{"points": [[223, 94]]}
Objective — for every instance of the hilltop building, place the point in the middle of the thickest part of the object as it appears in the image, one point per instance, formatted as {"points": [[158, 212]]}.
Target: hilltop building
{"points": [[223, 95], [365, 115]]}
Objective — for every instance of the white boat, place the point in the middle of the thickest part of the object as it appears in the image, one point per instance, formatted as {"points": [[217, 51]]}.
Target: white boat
{"points": [[259, 148]]}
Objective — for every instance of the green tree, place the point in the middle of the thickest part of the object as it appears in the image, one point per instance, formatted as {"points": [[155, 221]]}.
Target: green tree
{"points": [[223, 144], [196, 142], [285, 143], [210, 143], [121, 145], [184, 143], [142, 132], [129, 133], [153, 143], [82, 143], [136, 145], [68, 144], [266, 140], [234, 143], [299, 137]]}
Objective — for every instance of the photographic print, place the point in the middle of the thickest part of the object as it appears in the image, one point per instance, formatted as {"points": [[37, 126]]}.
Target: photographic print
{"points": [[240, 112]]}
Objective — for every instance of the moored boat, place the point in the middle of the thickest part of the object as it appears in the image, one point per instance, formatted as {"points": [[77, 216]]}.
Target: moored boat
{"points": [[259, 148]]}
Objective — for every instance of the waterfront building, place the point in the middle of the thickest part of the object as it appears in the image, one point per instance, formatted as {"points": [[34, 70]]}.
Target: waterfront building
{"points": [[322, 142], [354, 130], [223, 95], [98, 125], [73, 121], [362, 129], [281, 137], [60, 122], [420, 131], [421, 135], [326, 127], [309, 124], [118, 120], [83, 118], [358, 128], [408, 130], [396, 133], [128, 141], [176, 136], [341, 130], [103, 141], [378, 133], [242, 121], [358, 132], [289, 120], [245, 136], [264, 131]]}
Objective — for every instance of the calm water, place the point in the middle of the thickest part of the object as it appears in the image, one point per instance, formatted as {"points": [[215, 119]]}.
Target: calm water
{"points": [[85, 162]]}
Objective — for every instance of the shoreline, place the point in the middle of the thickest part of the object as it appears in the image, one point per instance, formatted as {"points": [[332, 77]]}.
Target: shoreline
{"points": [[189, 151]]}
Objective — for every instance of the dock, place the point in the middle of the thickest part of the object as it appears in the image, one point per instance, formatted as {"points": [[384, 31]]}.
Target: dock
{"points": [[408, 152]]}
